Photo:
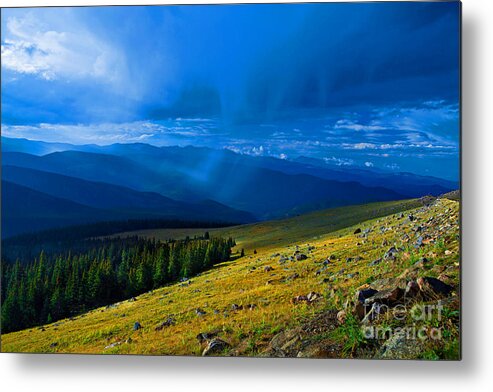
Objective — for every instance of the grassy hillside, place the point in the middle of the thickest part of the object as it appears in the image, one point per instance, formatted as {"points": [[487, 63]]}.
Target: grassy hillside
{"points": [[251, 303], [278, 233]]}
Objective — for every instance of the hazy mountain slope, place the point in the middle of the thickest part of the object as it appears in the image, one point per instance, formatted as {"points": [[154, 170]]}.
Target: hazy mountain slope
{"points": [[118, 198], [195, 160], [94, 167], [34, 147], [27, 210], [263, 192]]}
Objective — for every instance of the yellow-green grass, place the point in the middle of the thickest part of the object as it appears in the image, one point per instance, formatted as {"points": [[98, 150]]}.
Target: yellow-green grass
{"points": [[244, 281]]}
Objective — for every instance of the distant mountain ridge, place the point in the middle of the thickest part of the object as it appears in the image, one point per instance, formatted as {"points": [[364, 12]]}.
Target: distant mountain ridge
{"points": [[263, 192], [198, 182]]}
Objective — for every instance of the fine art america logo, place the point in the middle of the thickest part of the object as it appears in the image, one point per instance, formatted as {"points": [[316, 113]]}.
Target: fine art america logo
{"points": [[418, 314]]}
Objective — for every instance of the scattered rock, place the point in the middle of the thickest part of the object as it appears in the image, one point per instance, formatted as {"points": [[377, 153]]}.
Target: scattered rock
{"points": [[137, 326], [313, 296], [391, 253], [445, 278], [293, 277], [433, 287], [301, 256], [400, 346], [363, 295], [268, 268], [285, 343], [357, 231], [298, 299], [375, 262], [422, 263], [215, 346], [113, 345], [412, 290], [200, 312], [341, 316], [387, 297], [309, 298], [388, 284], [206, 336], [168, 323]]}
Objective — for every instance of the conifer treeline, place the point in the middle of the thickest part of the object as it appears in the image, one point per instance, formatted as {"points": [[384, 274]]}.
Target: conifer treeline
{"points": [[110, 270]]}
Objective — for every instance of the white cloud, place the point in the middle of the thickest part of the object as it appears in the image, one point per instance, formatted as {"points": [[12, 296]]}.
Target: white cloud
{"points": [[369, 164], [393, 166], [31, 47], [351, 125], [339, 161]]}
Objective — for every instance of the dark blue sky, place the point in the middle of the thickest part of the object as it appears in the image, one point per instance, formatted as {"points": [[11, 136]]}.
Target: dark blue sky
{"points": [[373, 84]]}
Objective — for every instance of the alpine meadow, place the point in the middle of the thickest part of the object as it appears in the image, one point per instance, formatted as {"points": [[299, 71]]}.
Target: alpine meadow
{"points": [[266, 180]]}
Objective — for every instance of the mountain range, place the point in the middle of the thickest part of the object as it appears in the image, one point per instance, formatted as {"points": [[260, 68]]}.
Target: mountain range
{"points": [[68, 184]]}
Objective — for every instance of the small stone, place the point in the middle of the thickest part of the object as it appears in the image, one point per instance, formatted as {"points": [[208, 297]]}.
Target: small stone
{"points": [[412, 289], [432, 286], [313, 296], [386, 297], [298, 299], [206, 336], [391, 253], [168, 323], [400, 346], [363, 295], [422, 262], [357, 231], [215, 346], [137, 326], [341, 316]]}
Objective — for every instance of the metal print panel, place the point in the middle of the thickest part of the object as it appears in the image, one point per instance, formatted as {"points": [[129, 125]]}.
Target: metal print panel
{"points": [[267, 180]]}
